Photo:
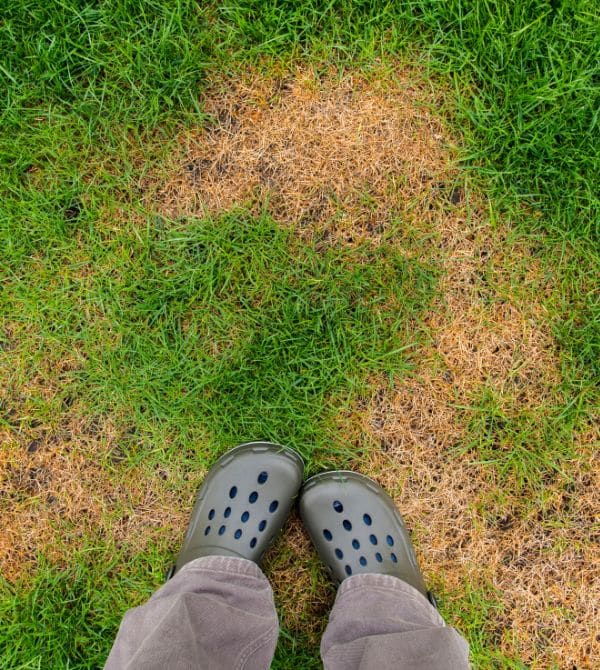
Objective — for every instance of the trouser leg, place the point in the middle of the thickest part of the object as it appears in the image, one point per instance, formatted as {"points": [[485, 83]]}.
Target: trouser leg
{"points": [[379, 622], [217, 613]]}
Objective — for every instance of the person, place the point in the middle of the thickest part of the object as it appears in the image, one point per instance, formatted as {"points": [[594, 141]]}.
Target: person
{"points": [[216, 610]]}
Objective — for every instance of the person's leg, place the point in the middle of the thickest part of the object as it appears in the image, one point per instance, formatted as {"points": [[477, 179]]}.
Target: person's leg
{"points": [[379, 622], [382, 616], [216, 613]]}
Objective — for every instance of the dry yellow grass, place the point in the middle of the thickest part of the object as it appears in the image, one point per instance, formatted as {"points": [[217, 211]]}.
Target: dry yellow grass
{"points": [[65, 484], [542, 559], [303, 593], [327, 155], [488, 330]]}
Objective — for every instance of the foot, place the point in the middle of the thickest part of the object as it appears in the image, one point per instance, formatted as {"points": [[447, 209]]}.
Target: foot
{"points": [[243, 503], [356, 528]]}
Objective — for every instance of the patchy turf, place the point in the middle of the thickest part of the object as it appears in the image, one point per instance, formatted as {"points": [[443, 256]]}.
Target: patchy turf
{"points": [[306, 254], [340, 156], [472, 444], [500, 493], [64, 486]]}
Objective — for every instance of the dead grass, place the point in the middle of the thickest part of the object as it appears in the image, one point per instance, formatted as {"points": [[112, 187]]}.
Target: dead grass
{"points": [[326, 154], [542, 559], [488, 330], [62, 486], [298, 579]]}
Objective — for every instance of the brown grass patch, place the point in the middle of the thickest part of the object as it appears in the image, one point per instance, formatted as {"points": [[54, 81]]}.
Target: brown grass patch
{"points": [[489, 330], [63, 486], [348, 152], [490, 324], [542, 558], [303, 592]]}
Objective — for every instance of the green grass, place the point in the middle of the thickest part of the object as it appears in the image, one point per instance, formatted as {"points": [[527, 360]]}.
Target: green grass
{"points": [[67, 617], [525, 446], [477, 620], [195, 334], [524, 73], [232, 327]]}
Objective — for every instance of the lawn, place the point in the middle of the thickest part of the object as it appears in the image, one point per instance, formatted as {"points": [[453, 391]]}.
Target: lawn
{"points": [[365, 230]]}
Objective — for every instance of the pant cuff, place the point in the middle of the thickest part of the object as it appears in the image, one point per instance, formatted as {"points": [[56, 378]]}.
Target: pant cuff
{"points": [[389, 583], [229, 564]]}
